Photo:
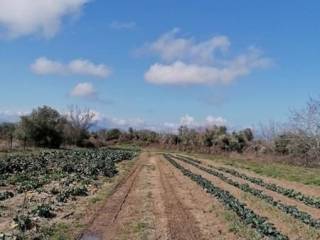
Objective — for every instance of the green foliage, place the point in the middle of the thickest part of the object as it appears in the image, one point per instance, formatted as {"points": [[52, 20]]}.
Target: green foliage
{"points": [[6, 195], [291, 193], [44, 210], [250, 218], [32, 171], [281, 144], [291, 210], [24, 222], [43, 127]]}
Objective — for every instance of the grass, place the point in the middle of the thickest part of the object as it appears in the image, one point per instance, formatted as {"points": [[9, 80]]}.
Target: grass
{"points": [[308, 176], [59, 231]]}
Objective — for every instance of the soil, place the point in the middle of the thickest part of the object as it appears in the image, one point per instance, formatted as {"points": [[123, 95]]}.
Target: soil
{"points": [[157, 202]]}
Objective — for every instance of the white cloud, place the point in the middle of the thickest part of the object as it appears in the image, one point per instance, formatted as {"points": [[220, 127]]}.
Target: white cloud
{"points": [[45, 66], [123, 25], [190, 121], [126, 123], [85, 90], [187, 62], [85, 67], [11, 116], [172, 48], [187, 120], [103, 121], [215, 121], [44, 17]]}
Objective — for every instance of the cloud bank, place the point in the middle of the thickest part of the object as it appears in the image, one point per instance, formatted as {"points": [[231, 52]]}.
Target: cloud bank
{"points": [[187, 62], [25, 17]]}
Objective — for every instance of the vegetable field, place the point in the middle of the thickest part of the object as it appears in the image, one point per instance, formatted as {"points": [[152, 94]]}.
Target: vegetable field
{"points": [[161, 196], [35, 188], [260, 191]]}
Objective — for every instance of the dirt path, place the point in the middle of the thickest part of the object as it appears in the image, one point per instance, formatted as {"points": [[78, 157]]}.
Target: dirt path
{"points": [[104, 223], [157, 202]]}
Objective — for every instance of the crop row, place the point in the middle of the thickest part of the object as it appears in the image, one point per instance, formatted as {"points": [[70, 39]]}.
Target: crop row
{"points": [[288, 192], [32, 171], [249, 217], [291, 210], [64, 175], [291, 193]]}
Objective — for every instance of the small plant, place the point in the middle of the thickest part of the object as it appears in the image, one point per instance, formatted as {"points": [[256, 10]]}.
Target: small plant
{"points": [[6, 195], [54, 191], [45, 211], [24, 222], [79, 191]]}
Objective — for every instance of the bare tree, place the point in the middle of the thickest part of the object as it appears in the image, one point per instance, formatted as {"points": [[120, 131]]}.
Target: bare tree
{"points": [[268, 132], [305, 132], [80, 121]]}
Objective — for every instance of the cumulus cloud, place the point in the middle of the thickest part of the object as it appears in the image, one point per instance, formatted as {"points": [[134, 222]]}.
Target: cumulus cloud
{"points": [[209, 121], [117, 25], [84, 90], [44, 17], [187, 120], [215, 121], [186, 62], [139, 123], [45, 66], [170, 47]]}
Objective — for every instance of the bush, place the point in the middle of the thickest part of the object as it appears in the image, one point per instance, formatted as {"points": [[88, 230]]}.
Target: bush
{"points": [[43, 127]]}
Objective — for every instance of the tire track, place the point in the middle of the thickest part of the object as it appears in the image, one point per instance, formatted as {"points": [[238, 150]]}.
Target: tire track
{"points": [[181, 224], [104, 221]]}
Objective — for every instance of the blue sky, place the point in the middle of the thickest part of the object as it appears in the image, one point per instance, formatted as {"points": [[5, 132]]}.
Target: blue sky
{"points": [[160, 63]]}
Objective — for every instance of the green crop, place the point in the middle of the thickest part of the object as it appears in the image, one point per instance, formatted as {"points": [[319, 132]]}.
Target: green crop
{"points": [[260, 224], [293, 211]]}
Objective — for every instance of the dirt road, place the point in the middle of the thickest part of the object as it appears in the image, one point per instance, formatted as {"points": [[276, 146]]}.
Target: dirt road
{"points": [[157, 202]]}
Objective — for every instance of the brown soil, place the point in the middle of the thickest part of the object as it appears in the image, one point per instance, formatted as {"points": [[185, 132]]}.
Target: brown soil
{"points": [[284, 223], [305, 189], [157, 202], [314, 212]]}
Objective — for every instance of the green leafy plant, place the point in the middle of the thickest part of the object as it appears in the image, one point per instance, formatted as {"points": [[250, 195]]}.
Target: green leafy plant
{"points": [[260, 224]]}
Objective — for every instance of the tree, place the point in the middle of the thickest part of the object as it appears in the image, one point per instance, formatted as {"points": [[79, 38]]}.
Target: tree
{"points": [[7, 132], [43, 127], [302, 138], [79, 123], [113, 134]]}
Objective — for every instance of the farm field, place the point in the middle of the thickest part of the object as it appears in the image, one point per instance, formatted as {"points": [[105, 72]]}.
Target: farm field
{"points": [[188, 198], [94, 194], [44, 193]]}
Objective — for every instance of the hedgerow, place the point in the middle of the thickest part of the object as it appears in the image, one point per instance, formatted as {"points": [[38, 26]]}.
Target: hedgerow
{"points": [[291, 210], [250, 218]]}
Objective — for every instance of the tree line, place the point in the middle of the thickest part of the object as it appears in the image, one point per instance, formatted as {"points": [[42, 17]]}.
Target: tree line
{"points": [[297, 140], [47, 128]]}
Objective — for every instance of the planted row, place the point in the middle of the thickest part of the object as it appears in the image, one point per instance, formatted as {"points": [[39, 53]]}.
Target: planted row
{"points": [[250, 218], [288, 192], [291, 210], [32, 171], [291, 193]]}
